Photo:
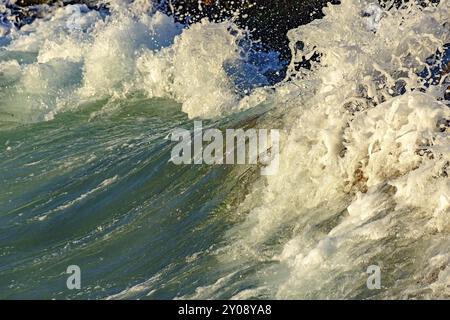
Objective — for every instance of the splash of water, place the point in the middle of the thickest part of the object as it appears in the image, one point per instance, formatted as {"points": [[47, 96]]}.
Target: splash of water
{"points": [[77, 54], [363, 178]]}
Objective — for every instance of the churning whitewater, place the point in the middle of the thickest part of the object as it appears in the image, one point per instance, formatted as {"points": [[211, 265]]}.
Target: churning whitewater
{"points": [[88, 98]]}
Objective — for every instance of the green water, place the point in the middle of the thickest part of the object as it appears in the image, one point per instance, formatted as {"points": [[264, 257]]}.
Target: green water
{"points": [[96, 189]]}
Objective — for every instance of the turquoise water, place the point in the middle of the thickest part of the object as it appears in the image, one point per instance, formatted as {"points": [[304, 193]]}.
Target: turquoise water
{"points": [[101, 194]]}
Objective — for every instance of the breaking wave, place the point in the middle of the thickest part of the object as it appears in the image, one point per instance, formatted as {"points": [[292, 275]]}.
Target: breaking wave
{"points": [[364, 110]]}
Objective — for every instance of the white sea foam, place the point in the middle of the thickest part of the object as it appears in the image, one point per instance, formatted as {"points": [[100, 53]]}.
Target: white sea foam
{"points": [[363, 176], [76, 54]]}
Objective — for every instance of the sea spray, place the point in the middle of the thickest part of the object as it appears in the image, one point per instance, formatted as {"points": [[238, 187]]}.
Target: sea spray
{"points": [[363, 177], [77, 54]]}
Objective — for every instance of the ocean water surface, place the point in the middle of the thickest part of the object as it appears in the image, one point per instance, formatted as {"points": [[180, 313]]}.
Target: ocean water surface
{"points": [[88, 100]]}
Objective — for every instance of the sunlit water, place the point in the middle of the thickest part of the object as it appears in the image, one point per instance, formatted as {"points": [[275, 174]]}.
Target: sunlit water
{"points": [[88, 101]]}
